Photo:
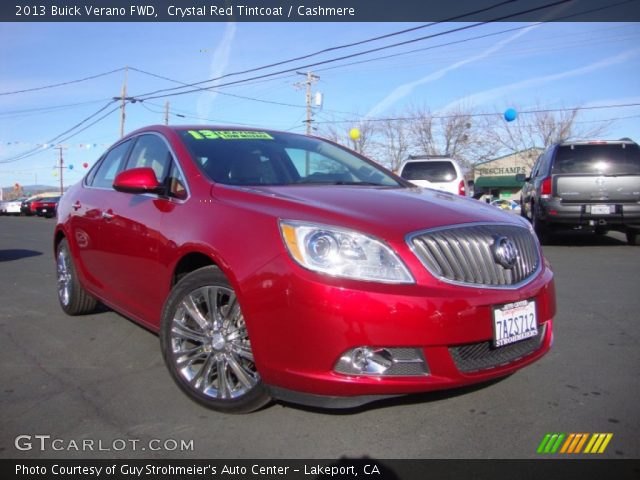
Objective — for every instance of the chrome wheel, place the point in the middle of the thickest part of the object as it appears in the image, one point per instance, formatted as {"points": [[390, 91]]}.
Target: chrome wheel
{"points": [[65, 278], [210, 346], [74, 299]]}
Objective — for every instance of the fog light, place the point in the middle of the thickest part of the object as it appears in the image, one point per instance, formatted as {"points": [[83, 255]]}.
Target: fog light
{"points": [[382, 361], [370, 361]]}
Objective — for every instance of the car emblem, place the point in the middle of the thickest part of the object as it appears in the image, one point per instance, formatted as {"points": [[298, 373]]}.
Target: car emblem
{"points": [[600, 181], [505, 252]]}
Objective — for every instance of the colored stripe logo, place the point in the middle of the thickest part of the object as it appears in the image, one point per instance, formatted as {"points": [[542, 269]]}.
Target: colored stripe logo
{"points": [[572, 443]]}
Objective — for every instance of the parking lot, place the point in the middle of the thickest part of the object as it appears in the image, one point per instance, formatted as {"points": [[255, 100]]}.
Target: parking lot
{"points": [[101, 377]]}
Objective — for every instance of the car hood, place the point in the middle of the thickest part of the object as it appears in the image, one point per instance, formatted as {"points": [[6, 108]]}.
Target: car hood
{"points": [[378, 210]]}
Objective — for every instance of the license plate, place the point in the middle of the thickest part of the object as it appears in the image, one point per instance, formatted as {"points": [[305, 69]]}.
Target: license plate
{"points": [[600, 210], [514, 322], [44, 210]]}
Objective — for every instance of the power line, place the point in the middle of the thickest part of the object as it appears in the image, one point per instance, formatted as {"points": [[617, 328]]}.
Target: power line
{"points": [[490, 114], [33, 151], [53, 107], [339, 47], [243, 97], [63, 83], [210, 89], [478, 37], [150, 96]]}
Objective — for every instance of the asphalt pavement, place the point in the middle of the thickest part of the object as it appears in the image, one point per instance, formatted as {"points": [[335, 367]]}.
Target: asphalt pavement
{"points": [[96, 387]]}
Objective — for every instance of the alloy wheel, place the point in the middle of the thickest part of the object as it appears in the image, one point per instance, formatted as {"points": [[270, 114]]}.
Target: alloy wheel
{"points": [[210, 345]]}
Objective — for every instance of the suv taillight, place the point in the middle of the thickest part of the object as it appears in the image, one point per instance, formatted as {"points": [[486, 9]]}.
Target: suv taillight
{"points": [[545, 187], [461, 188]]}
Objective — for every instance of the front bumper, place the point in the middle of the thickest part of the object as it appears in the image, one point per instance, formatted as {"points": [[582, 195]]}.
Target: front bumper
{"points": [[301, 323]]}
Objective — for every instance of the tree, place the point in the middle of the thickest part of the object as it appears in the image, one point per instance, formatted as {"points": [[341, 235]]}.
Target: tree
{"points": [[393, 142], [339, 132], [455, 133], [541, 128]]}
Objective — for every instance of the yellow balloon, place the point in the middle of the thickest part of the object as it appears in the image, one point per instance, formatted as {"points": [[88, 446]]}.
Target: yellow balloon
{"points": [[354, 133]]}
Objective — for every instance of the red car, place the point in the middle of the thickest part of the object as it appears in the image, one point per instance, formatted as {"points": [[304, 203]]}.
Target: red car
{"points": [[46, 207], [276, 265]]}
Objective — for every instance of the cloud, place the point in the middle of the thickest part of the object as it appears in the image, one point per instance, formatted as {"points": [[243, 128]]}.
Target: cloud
{"points": [[499, 92], [219, 62], [406, 89]]}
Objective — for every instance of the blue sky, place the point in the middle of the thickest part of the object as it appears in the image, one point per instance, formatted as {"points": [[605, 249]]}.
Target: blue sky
{"points": [[553, 65]]}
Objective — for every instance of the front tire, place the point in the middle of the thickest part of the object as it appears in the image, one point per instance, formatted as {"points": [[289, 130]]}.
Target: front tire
{"points": [[206, 346], [72, 296], [632, 237]]}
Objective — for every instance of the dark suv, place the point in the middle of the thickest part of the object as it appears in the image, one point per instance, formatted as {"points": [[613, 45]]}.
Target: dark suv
{"points": [[585, 185]]}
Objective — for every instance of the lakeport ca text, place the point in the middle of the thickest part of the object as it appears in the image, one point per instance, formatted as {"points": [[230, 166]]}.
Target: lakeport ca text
{"points": [[200, 470]]}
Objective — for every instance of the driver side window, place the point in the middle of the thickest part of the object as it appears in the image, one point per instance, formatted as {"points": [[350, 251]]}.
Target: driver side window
{"points": [[152, 152], [110, 166]]}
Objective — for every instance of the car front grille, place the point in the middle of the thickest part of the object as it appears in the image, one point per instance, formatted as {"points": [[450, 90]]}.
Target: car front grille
{"points": [[464, 254], [481, 356]]}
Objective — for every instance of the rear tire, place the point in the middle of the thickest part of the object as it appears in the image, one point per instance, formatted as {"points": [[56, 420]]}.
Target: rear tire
{"points": [[539, 226], [72, 296], [206, 347], [632, 237]]}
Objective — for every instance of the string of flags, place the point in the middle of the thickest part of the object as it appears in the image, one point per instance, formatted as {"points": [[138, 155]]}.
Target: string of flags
{"points": [[68, 167], [82, 146]]}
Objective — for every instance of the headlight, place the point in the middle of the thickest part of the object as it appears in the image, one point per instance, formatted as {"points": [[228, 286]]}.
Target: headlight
{"points": [[343, 253]]}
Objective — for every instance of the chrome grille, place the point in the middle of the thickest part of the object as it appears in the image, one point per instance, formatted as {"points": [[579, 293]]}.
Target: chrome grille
{"points": [[464, 254]]}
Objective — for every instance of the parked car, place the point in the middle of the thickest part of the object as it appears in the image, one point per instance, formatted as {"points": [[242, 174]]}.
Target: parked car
{"points": [[507, 204], [275, 265], [592, 185], [438, 172], [10, 207], [25, 206], [46, 207], [34, 204]]}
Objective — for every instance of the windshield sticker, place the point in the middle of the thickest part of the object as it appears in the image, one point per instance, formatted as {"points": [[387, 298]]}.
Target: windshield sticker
{"points": [[229, 135]]}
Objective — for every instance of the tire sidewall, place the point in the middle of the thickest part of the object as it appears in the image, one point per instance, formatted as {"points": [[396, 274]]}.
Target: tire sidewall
{"points": [[207, 276]]}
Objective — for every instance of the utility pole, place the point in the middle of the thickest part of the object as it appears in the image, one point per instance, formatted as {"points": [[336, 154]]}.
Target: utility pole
{"points": [[61, 167], [166, 113], [123, 98], [311, 79]]}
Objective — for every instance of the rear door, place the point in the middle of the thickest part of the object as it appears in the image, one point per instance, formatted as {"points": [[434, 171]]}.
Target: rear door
{"points": [[87, 217], [597, 173]]}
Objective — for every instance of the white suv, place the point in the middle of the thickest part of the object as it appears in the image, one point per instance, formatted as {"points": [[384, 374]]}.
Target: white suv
{"points": [[438, 172]]}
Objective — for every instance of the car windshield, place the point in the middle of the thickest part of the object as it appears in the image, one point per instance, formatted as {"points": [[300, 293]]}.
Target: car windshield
{"points": [[433, 171], [604, 159], [269, 158]]}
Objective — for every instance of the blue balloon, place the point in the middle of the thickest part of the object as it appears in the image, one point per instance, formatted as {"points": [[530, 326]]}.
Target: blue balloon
{"points": [[70, 167], [510, 114]]}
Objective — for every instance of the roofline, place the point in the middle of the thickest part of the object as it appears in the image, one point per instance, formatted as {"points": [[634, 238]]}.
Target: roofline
{"points": [[430, 157], [203, 126], [626, 141], [509, 155]]}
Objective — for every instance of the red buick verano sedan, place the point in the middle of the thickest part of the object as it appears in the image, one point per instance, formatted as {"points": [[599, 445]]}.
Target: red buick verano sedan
{"points": [[283, 266]]}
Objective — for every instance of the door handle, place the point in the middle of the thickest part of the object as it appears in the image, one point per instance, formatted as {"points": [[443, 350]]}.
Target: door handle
{"points": [[76, 206], [108, 215]]}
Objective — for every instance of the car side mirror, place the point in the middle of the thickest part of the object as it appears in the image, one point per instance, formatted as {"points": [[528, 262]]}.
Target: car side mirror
{"points": [[138, 180], [521, 178]]}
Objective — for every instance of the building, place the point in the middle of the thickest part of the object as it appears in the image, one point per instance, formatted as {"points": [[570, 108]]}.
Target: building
{"points": [[496, 178]]}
